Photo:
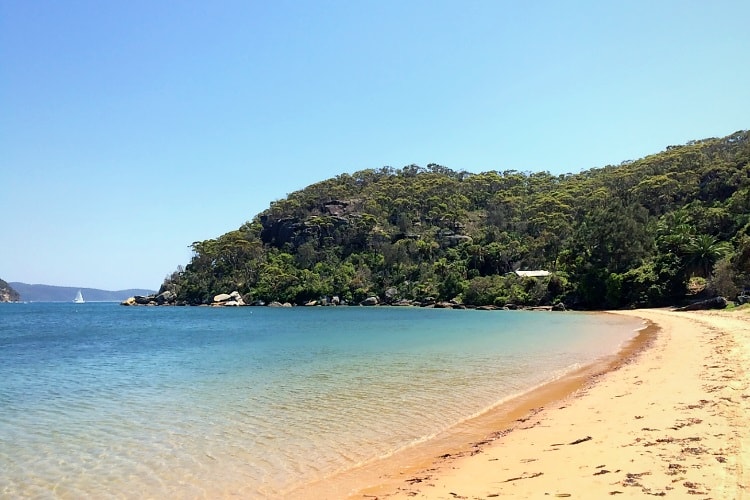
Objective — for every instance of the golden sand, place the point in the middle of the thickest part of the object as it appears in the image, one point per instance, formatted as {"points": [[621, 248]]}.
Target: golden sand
{"points": [[667, 419]]}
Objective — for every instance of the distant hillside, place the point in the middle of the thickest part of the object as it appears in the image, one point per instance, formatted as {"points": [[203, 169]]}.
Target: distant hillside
{"points": [[7, 293], [49, 293]]}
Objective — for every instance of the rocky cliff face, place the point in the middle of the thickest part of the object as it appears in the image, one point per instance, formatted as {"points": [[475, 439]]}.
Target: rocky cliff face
{"points": [[334, 222]]}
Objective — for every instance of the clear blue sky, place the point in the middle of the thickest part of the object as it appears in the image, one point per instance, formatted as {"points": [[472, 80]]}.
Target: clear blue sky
{"points": [[128, 130]]}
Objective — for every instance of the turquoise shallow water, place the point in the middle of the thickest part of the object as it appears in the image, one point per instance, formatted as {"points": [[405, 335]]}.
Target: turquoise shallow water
{"points": [[98, 400]]}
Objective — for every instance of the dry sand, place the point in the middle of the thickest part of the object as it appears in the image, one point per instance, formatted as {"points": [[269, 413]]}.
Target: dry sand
{"points": [[671, 421]]}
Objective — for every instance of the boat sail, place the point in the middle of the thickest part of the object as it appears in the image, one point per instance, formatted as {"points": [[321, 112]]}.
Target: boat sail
{"points": [[79, 298]]}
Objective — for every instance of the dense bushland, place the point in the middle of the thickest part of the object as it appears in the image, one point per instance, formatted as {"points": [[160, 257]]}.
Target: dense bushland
{"points": [[634, 234]]}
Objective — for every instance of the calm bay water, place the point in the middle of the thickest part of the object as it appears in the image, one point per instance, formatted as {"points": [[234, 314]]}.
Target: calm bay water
{"points": [[99, 400]]}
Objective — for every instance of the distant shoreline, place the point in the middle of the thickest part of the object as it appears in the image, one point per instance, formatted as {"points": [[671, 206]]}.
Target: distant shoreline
{"points": [[53, 293]]}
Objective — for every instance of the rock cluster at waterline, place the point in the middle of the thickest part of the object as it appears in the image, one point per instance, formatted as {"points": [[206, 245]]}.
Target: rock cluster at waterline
{"points": [[235, 299], [228, 299], [169, 298], [166, 298]]}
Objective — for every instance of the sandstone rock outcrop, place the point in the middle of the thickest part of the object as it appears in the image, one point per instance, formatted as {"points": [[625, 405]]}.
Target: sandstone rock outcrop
{"points": [[233, 299], [370, 301]]}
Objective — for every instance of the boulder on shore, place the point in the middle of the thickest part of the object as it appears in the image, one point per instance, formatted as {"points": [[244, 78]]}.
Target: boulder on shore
{"points": [[228, 299], [370, 301], [712, 303], [428, 301], [445, 304], [166, 297]]}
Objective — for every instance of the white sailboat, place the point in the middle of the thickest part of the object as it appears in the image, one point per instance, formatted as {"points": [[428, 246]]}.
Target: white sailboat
{"points": [[79, 298]]}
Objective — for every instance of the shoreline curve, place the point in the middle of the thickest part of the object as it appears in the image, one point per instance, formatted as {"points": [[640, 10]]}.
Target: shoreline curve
{"points": [[410, 471], [673, 422]]}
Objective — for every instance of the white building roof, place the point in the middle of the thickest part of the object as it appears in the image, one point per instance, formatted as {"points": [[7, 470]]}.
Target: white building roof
{"points": [[533, 274]]}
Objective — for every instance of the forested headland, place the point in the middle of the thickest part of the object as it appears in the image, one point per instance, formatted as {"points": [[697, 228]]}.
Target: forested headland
{"points": [[649, 232], [7, 293]]}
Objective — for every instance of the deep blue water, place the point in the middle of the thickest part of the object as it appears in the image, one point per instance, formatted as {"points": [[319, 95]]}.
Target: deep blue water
{"points": [[102, 400]]}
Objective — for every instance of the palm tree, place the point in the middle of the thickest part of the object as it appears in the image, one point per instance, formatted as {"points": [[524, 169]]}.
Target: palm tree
{"points": [[675, 230], [702, 252]]}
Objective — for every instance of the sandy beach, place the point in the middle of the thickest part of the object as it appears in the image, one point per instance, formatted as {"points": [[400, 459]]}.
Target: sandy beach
{"points": [[672, 422], [671, 418]]}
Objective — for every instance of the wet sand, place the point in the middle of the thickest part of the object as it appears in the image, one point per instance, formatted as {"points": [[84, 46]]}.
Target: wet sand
{"points": [[669, 417]]}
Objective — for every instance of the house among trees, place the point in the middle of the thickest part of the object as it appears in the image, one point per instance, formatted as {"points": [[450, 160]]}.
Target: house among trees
{"points": [[532, 274]]}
